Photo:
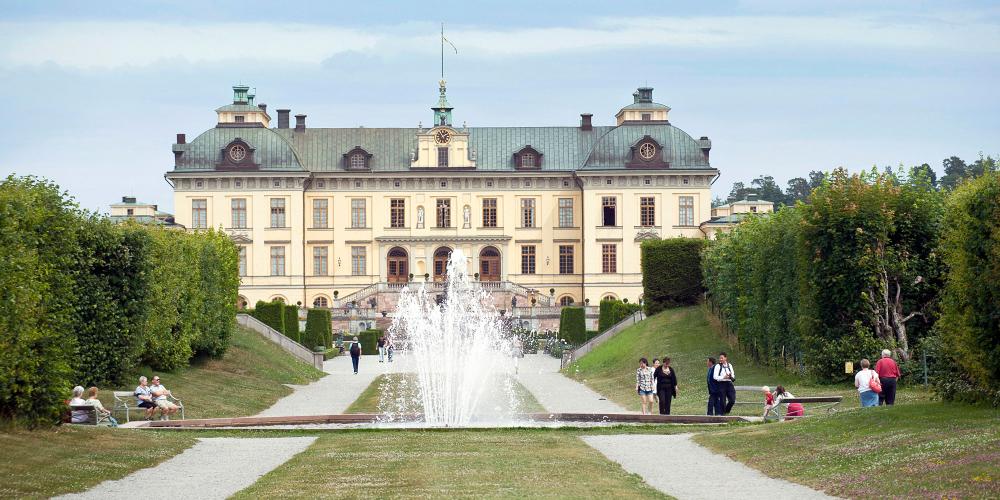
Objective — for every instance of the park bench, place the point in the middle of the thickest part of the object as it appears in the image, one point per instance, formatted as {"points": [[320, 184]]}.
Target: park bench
{"points": [[828, 403], [91, 413], [125, 402]]}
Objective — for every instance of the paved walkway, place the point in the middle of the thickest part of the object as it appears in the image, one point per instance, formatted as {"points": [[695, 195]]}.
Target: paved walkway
{"points": [[212, 468], [681, 468], [330, 394], [539, 373]]}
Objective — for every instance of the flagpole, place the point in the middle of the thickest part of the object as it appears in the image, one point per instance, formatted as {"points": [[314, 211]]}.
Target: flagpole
{"points": [[442, 50]]}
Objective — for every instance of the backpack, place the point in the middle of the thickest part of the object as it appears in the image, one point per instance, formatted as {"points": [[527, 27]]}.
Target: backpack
{"points": [[355, 349]]}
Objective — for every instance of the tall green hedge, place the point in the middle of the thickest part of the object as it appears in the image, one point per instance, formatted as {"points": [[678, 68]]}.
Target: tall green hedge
{"points": [[573, 325], [291, 323], [318, 329], [368, 339], [613, 311], [271, 314], [671, 273]]}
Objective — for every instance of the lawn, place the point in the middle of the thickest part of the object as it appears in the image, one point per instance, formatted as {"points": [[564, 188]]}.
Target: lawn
{"points": [[688, 335], [450, 464], [923, 449], [69, 459], [249, 378], [396, 384]]}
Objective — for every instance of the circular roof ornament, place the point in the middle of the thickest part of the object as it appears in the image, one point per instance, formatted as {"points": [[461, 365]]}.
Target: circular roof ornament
{"points": [[237, 153], [647, 151]]}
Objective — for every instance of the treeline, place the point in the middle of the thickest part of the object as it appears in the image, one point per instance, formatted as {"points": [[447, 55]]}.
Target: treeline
{"points": [[84, 301], [861, 267]]}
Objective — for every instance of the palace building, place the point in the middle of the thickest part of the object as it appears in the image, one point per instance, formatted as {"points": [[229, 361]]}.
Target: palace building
{"points": [[556, 214]]}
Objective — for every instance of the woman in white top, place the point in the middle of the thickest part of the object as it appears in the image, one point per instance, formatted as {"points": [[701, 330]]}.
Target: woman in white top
{"points": [[863, 381], [78, 416]]}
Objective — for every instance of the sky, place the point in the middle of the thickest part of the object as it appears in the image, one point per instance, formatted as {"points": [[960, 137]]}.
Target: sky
{"points": [[94, 93]]}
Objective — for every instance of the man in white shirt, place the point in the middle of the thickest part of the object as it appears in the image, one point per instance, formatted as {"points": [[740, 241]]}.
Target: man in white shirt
{"points": [[724, 376], [160, 394]]}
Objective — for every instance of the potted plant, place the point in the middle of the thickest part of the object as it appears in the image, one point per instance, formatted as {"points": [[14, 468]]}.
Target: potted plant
{"points": [[427, 276], [477, 276], [625, 300], [336, 293], [586, 301], [552, 292], [411, 277]]}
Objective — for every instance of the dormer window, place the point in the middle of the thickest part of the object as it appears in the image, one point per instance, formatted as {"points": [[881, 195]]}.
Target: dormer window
{"points": [[237, 155], [647, 117], [647, 153], [528, 158], [357, 159], [239, 118]]}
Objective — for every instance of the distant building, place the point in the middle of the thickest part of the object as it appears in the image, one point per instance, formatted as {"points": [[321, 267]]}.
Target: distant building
{"points": [[726, 217], [143, 213]]}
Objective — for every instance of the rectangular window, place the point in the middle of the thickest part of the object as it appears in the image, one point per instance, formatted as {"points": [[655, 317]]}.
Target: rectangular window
{"points": [[565, 212], [278, 212], [489, 212], [528, 160], [565, 259], [321, 213], [358, 255], [527, 212], [647, 211], [609, 258], [397, 212], [528, 259], [443, 212], [609, 211], [320, 255], [358, 212], [243, 260], [239, 118], [239, 213], [647, 117], [199, 214], [277, 261], [442, 157], [686, 211]]}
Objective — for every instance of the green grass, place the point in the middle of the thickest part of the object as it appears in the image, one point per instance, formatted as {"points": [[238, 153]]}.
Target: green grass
{"points": [[368, 401], [249, 378], [74, 458], [924, 449], [449, 464], [688, 335]]}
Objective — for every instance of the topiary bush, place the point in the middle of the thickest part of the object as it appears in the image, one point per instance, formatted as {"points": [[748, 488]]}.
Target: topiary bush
{"points": [[671, 273], [291, 323], [573, 325], [369, 340], [271, 314], [318, 329], [612, 311]]}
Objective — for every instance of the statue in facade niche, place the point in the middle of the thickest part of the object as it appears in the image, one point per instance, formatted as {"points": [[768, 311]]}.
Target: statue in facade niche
{"points": [[467, 217], [420, 217]]}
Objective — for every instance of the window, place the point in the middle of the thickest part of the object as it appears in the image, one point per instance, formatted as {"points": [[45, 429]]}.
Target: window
{"points": [[647, 117], [442, 157], [443, 212], [647, 182], [753, 208], [565, 212], [527, 212], [239, 206], [647, 211], [243, 260], [358, 212], [277, 183], [489, 184], [397, 212], [238, 183], [357, 184], [608, 181], [609, 258], [358, 161], [489, 212], [199, 214], [565, 259], [609, 210], [130, 211], [277, 261], [321, 215], [278, 212], [239, 118], [566, 300], [320, 302], [396, 184], [320, 260], [527, 160], [686, 211], [528, 259], [358, 261]]}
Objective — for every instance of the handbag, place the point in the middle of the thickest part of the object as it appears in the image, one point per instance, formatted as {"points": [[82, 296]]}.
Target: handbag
{"points": [[874, 384]]}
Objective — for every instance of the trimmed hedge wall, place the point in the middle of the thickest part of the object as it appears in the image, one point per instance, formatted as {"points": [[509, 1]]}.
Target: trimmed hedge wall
{"points": [[369, 341], [613, 311], [671, 273], [271, 314], [318, 329], [573, 325], [291, 322]]}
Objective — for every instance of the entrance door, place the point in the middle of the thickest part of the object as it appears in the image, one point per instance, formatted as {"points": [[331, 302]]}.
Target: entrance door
{"points": [[398, 267], [489, 264], [441, 256]]}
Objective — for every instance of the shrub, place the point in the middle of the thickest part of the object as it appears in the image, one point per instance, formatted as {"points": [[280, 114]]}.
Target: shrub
{"points": [[271, 314], [369, 340], [671, 273], [318, 329], [219, 285], [612, 311], [573, 325], [291, 323]]}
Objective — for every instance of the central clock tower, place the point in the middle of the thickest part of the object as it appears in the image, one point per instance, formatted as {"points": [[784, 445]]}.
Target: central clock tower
{"points": [[442, 146]]}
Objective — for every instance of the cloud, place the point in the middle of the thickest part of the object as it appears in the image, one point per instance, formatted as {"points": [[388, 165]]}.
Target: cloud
{"points": [[115, 44]]}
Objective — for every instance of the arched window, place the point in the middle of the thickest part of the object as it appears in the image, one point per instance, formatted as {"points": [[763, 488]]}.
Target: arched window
{"points": [[279, 298], [357, 159], [610, 296], [321, 301], [566, 300]]}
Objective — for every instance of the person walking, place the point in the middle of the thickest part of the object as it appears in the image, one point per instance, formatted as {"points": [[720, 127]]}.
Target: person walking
{"points": [[863, 381], [725, 376], [381, 349], [355, 354], [666, 385], [713, 387], [644, 386], [888, 373]]}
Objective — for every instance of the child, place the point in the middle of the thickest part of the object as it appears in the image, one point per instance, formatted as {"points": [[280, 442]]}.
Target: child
{"points": [[768, 399]]}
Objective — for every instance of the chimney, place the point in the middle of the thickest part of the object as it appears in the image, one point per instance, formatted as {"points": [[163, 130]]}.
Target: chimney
{"points": [[181, 139], [706, 145], [300, 123], [263, 107], [585, 123], [128, 199], [283, 118]]}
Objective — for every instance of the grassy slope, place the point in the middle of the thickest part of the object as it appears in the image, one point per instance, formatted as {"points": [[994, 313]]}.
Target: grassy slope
{"points": [[247, 380], [688, 335], [368, 401], [924, 449]]}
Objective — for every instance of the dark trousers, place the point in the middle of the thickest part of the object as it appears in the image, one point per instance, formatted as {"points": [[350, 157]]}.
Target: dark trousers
{"points": [[888, 395], [713, 402], [726, 398], [354, 361], [665, 393]]}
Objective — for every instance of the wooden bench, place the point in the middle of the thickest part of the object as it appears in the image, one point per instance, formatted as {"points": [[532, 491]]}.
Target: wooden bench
{"points": [[91, 414], [125, 402], [828, 403]]}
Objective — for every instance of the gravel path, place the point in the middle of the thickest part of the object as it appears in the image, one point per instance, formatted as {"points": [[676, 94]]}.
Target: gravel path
{"points": [[330, 394], [539, 373], [212, 468], [681, 468]]}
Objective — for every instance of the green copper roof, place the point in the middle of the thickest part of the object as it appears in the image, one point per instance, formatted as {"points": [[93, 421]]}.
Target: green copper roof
{"points": [[239, 108], [271, 150]]}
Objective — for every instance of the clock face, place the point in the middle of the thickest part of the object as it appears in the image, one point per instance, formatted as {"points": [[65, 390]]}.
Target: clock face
{"points": [[647, 151], [442, 136], [237, 153]]}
